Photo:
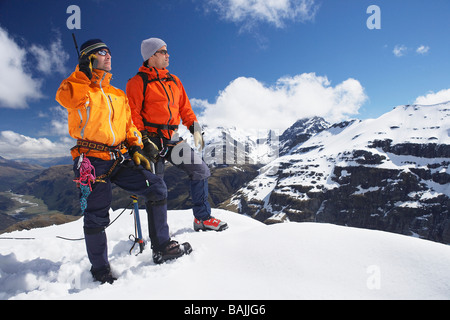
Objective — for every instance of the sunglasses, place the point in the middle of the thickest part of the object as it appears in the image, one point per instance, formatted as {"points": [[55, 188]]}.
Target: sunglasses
{"points": [[103, 52], [163, 52]]}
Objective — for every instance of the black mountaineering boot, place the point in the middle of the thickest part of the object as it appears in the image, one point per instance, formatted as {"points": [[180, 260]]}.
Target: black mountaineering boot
{"points": [[103, 275], [172, 250]]}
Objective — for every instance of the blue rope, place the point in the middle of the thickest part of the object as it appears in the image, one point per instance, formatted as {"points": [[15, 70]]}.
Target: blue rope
{"points": [[85, 192]]}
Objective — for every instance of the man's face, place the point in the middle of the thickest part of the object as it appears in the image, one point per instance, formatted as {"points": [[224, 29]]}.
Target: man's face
{"points": [[160, 59], [103, 60]]}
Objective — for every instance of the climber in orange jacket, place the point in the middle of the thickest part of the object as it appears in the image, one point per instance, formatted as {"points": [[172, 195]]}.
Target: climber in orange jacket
{"points": [[158, 102], [166, 102], [88, 99], [109, 150]]}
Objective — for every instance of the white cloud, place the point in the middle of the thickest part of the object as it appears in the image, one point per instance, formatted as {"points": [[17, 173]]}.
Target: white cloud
{"points": [[276, 12], [52, 59], [400, 50], [16, 84], [248, 103], [423, 50], [17, 146], [58, 125], [434, 97]]}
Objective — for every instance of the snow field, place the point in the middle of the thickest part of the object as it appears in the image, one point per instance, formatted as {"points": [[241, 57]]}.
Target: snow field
{"points": [[250, 260]]}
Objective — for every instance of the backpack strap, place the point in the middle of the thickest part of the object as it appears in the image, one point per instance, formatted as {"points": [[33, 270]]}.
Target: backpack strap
{"points": [[145, 82]]}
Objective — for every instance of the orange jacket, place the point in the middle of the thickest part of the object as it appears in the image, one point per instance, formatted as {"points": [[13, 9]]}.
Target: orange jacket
{"points": [[98, 112], [166, 101]]}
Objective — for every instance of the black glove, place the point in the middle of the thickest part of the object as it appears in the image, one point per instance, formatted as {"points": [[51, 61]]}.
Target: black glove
{"points": [[85, 64], [151, 150], [136, 154]]}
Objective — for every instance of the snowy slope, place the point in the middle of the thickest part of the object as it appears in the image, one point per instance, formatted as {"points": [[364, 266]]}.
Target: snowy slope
{"points": [[250, 260]]}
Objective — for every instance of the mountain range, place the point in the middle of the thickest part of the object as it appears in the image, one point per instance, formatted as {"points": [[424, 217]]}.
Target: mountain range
{"points": [[389, 173]]}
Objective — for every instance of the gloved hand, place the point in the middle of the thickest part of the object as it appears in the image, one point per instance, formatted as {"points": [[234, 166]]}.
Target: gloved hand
{"points": [[151, 150], [136, 154], [85, 64], [196, 130]]}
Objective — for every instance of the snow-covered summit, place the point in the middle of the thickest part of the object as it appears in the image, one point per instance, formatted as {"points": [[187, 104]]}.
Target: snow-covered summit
{"points": [[373, 173], [404, 124], [248, 261]]}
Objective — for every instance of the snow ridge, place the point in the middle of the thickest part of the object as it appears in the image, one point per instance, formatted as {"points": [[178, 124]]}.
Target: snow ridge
{"points": [[251, 260]]}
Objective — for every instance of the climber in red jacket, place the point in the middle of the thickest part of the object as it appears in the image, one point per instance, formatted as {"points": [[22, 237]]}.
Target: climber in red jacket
{"points": [[158, 102]]}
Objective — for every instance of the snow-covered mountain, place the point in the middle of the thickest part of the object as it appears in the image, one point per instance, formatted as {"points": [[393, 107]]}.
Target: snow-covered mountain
{"points": [[300, 132], [390, 173], [250, 261], [235, 146]]}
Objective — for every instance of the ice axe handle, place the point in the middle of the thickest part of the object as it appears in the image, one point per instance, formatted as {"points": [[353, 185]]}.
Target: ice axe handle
{"points": [[138, 237], [76, 45]]}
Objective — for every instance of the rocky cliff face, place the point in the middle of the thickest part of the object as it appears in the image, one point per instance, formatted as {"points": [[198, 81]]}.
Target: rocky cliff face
{"points": [[390, 173]]}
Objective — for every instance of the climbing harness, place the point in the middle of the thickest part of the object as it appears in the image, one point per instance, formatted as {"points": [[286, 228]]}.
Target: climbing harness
{"points": [[87, 170]]}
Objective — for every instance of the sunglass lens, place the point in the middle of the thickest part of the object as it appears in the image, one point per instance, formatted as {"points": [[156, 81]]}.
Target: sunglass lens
{"points": [[103, 52]]}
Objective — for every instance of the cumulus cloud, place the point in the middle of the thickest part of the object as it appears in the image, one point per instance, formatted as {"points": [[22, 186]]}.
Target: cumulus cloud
{"points": [[275, 12], [248, 103], [51, 59], [434, 97], [58, 121], [17, 84], [17, 146]]}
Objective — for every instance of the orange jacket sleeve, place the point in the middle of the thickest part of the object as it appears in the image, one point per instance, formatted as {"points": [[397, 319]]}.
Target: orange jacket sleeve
{"points": [[74, 91]]}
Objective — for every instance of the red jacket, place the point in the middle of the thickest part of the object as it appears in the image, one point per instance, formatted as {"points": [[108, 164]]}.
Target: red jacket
{"points": [[166, 101]]}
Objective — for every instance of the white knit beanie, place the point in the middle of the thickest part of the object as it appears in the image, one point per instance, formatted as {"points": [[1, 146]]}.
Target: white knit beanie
{"points": [[150, 46]]}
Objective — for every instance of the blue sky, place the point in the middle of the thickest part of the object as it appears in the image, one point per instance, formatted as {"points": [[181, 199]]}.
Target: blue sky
{"points": [[256, 63]]}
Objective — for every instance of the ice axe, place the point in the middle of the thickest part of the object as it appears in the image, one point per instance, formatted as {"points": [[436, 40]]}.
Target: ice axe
{"points": [[137, 238], [76, 45]]}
